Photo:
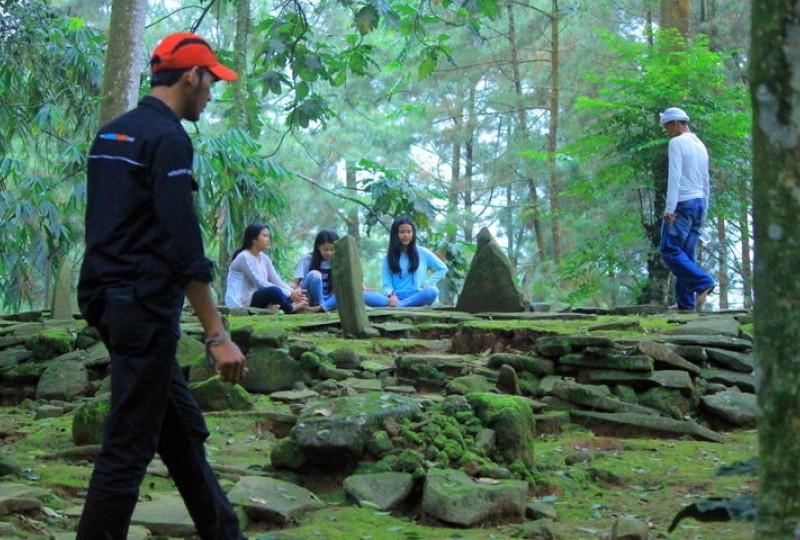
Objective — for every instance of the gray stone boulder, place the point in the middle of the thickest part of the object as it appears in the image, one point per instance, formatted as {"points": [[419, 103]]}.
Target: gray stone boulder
{"points": [[490, 283], [595, 397], [383, 491], [335, 433], [273, 500], [20, 498], [708, 326], [552, 346], [629, 528], [733, 406], [63, 380], [453, 497]]}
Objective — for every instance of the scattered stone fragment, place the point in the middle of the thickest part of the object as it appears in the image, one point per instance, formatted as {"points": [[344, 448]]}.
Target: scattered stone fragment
{"points": [[384, 490], [273, 500], [453, 497]]}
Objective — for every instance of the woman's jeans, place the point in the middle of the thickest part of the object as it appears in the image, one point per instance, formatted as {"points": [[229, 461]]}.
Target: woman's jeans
{"points": [[678, 246], [312, 284], [409, 298]]}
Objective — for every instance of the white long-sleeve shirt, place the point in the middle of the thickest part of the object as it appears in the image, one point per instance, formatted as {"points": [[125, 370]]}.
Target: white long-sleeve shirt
{"points": [[688, 171], [257, 272]]}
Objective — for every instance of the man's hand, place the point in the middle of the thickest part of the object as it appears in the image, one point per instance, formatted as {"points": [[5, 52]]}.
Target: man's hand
{"points": [[669, 219], [229, 360]]}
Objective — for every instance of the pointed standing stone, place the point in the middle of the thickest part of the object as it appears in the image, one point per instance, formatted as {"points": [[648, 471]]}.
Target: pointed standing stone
{"points": [[348, 285], [62, 292], [490, 285]]}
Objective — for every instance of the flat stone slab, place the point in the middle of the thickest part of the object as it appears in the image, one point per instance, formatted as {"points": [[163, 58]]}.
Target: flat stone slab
{"points": [[744, 381], [668, 378], [664, 356], [640, 425], [732, 360], [273, 500], [165, 516], [722, 342], [644, 309], [594, 397], [293, 396], [536, 316], [708, 326], [618, 361]]}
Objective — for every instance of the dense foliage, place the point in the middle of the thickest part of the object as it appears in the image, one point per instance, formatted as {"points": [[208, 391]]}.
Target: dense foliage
{"points": [[350, 113]]}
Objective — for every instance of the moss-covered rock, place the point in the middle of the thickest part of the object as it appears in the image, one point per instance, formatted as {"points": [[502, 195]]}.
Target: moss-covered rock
{"points": [[87, 424], [215, 394], [512, 420], [287, 455], [271, 370], [51, 342], [468, 384]]}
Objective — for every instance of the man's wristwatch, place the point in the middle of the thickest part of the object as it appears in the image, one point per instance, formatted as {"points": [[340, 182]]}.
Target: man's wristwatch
{"points": [[216, 339]]}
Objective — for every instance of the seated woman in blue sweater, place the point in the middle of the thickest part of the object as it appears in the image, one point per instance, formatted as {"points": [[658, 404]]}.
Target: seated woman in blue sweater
{"points": [[405, 272]]}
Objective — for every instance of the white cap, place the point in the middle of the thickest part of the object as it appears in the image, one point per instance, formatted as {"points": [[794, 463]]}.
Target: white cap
{"points": [[673, 113]]}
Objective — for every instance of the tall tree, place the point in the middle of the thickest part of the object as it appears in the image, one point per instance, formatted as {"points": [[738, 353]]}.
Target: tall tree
{"points": [[123, 62], [776, 185], [675, 14]]}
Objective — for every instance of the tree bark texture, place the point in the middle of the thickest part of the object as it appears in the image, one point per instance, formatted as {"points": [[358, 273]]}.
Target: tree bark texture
{"points": [[675, 14], [552, 135], [123, 58], [533, 197], [723, 283], [774, 72]]}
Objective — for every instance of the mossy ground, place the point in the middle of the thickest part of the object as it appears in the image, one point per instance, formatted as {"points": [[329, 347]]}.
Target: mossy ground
{"points": [[649, 479], [588, 480]]}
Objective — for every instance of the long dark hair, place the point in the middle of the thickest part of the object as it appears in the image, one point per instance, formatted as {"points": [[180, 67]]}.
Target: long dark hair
{"points": [[396, 248], [325, 236], [250, 235]]}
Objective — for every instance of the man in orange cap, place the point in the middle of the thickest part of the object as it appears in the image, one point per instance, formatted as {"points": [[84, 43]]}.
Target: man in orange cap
{"points": [[144, 256]]}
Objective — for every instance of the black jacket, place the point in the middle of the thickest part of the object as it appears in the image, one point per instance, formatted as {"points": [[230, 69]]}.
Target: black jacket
{"points": [[141, 227]]}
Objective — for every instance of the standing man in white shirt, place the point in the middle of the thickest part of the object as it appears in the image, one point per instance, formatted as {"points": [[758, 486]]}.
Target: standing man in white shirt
{"points": [[687, 203]]}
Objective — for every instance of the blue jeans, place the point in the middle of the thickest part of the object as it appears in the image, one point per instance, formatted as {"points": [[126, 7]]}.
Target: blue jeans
{"points": [[410, 298], [268, 296], [312, 284], [151, 411], [678, 246]]}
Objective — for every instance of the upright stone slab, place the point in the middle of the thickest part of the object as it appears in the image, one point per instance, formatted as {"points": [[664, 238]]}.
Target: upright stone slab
{"points": [[348, 284], [62, 292], [490, 285]]}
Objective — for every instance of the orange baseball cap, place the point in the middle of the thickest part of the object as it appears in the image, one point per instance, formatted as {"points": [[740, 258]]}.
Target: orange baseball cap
{"points": [[184, 50]]}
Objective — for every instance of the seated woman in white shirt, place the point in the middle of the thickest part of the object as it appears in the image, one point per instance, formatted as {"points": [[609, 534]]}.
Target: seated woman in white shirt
{"points": [[261, 286]]}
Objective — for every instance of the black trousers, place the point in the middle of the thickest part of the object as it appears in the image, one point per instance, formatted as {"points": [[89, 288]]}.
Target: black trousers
{"points": [[151, 411], [268, 296]]}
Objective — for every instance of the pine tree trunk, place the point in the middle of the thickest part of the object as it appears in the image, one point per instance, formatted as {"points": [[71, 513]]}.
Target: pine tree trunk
{"points": [[723, 283], [535, 220], [747, 262], [552, 136], [776, 183]]}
